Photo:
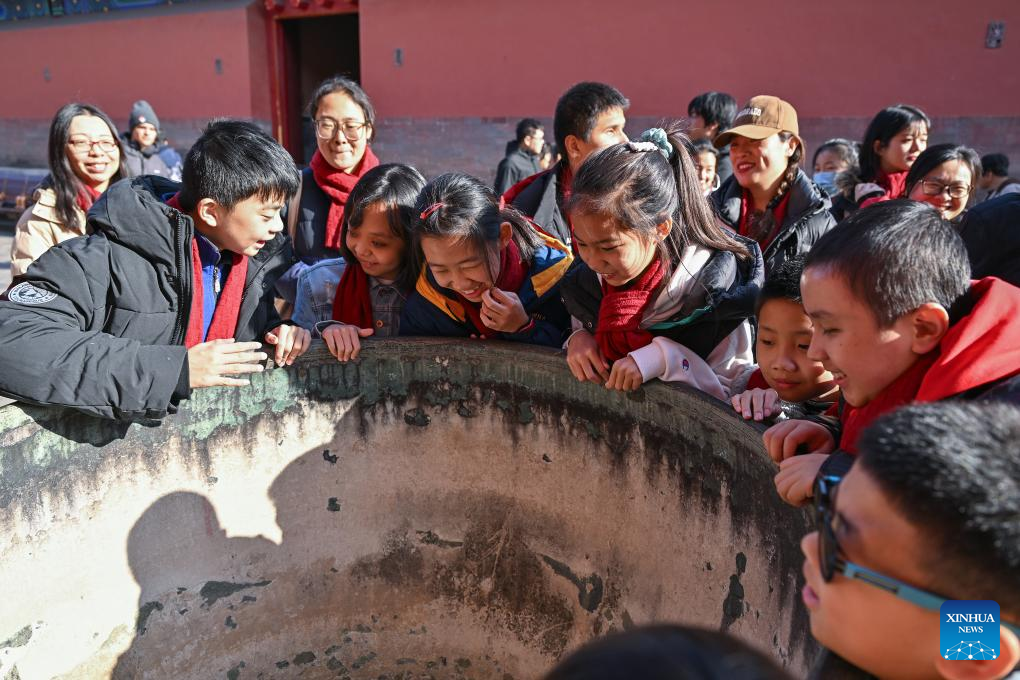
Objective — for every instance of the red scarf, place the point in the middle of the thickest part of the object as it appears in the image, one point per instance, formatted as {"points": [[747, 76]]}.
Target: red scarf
{"points": [[895, 185], [353, 303], [338, 185], [512, 272], [778, 215], [757, 381], [619, 329], [979, 349], [86, 197], [228, 306]]}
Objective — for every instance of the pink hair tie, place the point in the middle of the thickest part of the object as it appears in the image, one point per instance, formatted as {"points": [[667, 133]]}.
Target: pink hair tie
{"points": [[427, 212], [502, 204]]}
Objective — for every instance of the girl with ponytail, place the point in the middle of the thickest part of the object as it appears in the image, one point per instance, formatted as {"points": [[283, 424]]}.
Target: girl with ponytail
{"points": [[769, 198], [489, 272], [664, 291]]}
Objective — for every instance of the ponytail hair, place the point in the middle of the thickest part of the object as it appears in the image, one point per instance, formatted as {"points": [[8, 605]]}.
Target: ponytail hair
{"points": [[459, 206], [638, 186]]}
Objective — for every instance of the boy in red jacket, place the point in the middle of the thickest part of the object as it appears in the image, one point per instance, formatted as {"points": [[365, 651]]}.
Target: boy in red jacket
{"points": [[896, 320]]}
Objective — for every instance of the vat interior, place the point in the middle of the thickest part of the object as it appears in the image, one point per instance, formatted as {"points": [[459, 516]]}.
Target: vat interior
{"points": [[441, 541]]}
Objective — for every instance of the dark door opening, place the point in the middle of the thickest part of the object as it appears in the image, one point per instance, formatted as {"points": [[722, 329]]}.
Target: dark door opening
{"points": [[316, 48]]}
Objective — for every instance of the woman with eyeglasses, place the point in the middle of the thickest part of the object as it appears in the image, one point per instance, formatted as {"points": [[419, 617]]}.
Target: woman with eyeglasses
{"points": [[944, 175], [84, 159], [344, 120]]}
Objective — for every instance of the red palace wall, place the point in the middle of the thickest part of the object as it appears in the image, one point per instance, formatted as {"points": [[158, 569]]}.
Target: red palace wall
{"points": [[470, 69], [169, 59]]}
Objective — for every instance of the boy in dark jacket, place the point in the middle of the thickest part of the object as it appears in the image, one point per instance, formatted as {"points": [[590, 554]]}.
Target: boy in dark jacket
{"points": [[896, 320], [172, 291], [589, 116], [928, 514]]}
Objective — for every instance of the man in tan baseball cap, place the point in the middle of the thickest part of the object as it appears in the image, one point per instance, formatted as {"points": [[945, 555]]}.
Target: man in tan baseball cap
{"points": [[763, 116]]}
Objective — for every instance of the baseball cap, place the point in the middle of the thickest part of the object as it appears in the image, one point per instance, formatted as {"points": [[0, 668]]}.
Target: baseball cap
{"points": [[762, 116]]}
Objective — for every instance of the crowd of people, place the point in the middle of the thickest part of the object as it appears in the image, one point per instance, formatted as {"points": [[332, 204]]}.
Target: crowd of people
{"points": [[861, 311]]}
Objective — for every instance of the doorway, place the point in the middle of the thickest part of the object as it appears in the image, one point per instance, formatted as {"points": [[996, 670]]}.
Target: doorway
{"points": [[311, 50]]}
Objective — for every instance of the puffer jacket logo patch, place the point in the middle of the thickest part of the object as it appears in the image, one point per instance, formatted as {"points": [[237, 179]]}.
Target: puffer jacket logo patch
{"points": [[27, 294]]}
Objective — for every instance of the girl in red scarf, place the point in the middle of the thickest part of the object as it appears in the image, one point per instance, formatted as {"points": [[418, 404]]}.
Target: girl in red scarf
{"points": [[362, 294], [344, 122], [664, 292], [895, 138], [490, 274]]}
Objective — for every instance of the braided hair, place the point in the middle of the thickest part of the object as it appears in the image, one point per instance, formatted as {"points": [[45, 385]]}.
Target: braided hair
{"points": [[792, 169]]}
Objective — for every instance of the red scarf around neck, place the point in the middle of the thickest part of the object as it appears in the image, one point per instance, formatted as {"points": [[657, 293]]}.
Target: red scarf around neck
{"points": [[512, 273], [338, 185], [86, 197], [228, 305], [621, 311], [894, 183], [353, 302]]}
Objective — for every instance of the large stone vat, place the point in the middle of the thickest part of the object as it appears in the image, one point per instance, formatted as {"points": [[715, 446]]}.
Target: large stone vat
{"points": [[438, 509]]}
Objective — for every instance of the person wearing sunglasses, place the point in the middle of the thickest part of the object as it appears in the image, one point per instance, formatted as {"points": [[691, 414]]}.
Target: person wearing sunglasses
{"points": [[929, 512], [84, 158], [944, 176], [343, 119]]}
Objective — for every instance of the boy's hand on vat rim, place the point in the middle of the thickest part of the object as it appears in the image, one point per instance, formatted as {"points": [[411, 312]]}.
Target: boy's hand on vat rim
{"points": [[783, 440], [291, 342], [211, 363], [795, 481]]}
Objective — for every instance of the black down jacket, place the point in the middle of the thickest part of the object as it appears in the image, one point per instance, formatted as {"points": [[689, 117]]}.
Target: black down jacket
{"points": [[98, 322]]}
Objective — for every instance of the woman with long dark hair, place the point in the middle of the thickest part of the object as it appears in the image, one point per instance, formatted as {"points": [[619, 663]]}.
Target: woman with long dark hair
{"points": [[84, 160], [895, 137]]}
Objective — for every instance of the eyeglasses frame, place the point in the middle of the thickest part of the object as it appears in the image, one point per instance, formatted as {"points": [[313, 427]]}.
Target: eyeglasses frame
{"points": [[945, 188], [92, 143], [359, 126]]}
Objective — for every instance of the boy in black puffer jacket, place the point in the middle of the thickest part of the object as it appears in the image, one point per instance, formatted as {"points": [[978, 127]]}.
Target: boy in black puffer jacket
{"points": [[172, 291]]}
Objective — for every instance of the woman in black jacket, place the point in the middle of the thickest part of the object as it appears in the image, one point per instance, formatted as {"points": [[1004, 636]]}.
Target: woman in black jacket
{"points": [[769, 198]]}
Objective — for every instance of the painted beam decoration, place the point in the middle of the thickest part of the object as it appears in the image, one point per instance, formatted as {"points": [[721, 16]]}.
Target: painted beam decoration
{"points": [[23, 10]]}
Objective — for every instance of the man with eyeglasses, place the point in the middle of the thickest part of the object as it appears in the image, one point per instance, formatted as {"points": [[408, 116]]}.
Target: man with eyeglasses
{"points": [[929, 512]]}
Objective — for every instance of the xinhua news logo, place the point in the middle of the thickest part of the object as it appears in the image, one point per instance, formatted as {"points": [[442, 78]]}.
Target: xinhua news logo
{"points": [[969, 629]]}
